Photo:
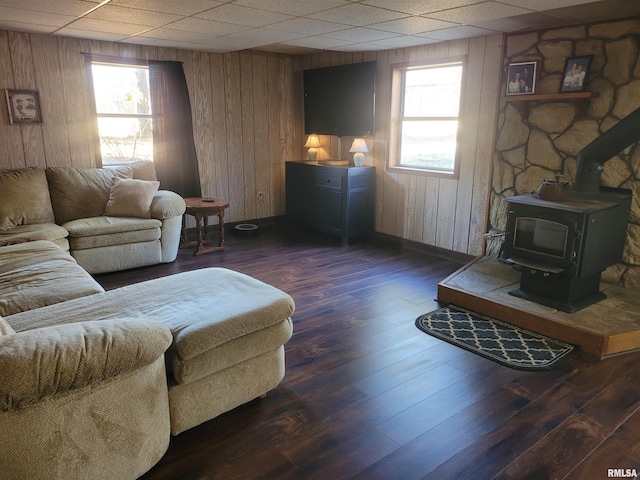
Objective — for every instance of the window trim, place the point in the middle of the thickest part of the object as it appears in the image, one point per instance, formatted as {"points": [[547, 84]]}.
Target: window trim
{"points": [[395, 123]]}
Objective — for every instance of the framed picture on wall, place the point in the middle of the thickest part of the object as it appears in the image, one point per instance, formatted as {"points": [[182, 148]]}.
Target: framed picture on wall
{"points": [[24, 106], [521, 78], [575, 73]]}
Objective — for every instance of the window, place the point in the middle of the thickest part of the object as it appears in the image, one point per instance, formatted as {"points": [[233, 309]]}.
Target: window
{"points": [[123, 108], [425, 118]]}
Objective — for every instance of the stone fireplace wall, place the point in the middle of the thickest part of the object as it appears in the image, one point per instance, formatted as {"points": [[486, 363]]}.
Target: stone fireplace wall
{"points": [[540, 139]]}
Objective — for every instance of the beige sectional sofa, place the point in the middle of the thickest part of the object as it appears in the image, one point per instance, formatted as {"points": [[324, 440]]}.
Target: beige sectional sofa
{"points": [[93, 383], [109, 219]]}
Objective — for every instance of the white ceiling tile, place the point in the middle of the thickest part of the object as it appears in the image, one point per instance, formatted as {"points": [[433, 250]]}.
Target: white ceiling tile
{"points": [[456, 33], [307, 26], [26, 27], [95, 35], [412, 25], [100, 26], [201, 25], [115, 14], [240, 15], [177, 7], [357, 15], [321, 42], [292, 7], [542, 5], [420, 7], [403, 42], [473, 14], [33, 18], [73, 8], [360, 34]]}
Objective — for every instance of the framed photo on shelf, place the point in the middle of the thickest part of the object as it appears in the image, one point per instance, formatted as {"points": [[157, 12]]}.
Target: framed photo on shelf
{"points": [[24, 106], [521, 78], [575, 73]]}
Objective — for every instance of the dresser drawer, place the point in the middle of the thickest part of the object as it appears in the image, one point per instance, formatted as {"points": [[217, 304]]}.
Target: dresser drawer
{"points": [[331, 181]]}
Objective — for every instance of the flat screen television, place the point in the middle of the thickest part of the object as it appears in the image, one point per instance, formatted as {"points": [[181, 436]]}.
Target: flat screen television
{"points": [[340, 100]]}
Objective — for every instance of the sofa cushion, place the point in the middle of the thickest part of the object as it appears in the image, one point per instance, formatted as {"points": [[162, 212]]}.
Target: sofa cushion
{"points": [[25, 198], [40, 273], [81, 192], [37, 231], [144, 170], [5, 328], [131, 198], [51, 360], [105, 231]]}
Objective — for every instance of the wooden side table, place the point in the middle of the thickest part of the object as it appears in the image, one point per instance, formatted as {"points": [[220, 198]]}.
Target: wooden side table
{"points": [[201, 208]]}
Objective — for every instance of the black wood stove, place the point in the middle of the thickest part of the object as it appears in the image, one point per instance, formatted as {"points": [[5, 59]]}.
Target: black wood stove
{"points": [[562, 246]]}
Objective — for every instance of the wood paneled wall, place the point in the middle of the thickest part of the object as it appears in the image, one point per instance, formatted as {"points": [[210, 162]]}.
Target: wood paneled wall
{"points": [[248, 120], [442, 212], [244, 107]]}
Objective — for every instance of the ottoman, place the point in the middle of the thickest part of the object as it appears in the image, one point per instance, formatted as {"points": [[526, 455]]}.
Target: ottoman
{"points": [[229, 331]]}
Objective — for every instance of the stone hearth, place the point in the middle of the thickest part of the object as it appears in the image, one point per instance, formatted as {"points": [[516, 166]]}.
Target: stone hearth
{"points": [[609, 327]]}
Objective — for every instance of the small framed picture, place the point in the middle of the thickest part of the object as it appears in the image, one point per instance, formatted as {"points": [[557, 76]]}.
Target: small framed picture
{"points": [[521, 78], [24, 106], [575, 73]]}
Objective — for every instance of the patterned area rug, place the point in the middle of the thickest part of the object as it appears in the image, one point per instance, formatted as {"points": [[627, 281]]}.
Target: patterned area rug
{"points": [[490, 338]]}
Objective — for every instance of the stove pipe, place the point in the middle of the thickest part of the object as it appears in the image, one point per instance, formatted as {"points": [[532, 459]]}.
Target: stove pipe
{"points": [[592, 157]]}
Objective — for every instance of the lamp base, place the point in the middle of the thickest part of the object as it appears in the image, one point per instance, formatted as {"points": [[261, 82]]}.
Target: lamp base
{"points": [[358, 159], [313, 154]]}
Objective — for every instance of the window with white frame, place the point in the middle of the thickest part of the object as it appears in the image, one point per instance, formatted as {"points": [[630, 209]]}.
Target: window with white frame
{"points": [[123, 107], [425, 117]]}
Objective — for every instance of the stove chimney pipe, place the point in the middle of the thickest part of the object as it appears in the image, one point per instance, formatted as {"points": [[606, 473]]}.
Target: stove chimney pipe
{"points": [[592, 157]]}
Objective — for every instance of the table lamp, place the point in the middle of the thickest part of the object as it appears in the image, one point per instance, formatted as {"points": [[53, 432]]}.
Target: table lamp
{"points": [[358, 148], [312, 144]]}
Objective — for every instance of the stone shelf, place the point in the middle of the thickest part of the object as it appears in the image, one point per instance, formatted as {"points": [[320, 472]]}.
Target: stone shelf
{"points": [[548, 96]]}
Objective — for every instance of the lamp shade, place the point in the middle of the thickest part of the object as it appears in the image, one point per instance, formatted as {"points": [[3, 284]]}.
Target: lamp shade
{"points": [[359, 145], [312, 143], [358, 148]]}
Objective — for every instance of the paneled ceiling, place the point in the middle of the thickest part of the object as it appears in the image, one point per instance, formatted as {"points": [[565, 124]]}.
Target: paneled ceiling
{"points": [[297, 26]]}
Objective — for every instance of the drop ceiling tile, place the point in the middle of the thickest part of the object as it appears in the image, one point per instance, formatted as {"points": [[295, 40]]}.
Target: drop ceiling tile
{"points": [[101, 27], [412, 25], [473, 14], [403, 41], [456, 33], [240, 15], [360, 34], [177, 7], [73, 8], [26, 27], [178, 35], [201, 25], [521, 22], [111, 13], [95, 35], [292, 7], [307, 26], [420, 7], [321, 43], [357, 15], [542, 5], [33, 18]]}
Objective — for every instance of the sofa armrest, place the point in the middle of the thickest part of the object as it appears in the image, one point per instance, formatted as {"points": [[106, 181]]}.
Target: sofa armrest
{"points": [[35, 364], [167, 204]]}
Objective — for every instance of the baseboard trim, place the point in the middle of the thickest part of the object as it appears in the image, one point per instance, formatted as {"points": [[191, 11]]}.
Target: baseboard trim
{"points": [[403, 243]]}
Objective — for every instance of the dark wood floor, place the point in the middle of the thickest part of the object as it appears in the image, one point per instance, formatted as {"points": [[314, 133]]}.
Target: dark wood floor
{"points": [[368, 396]]}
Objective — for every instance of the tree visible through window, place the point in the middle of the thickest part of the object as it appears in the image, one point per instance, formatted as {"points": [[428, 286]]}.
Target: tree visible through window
{"points": [[425, 117], [123, 107]]}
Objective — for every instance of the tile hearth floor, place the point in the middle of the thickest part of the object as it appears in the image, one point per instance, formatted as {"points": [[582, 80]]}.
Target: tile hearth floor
{"points": [[609, 327]]}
